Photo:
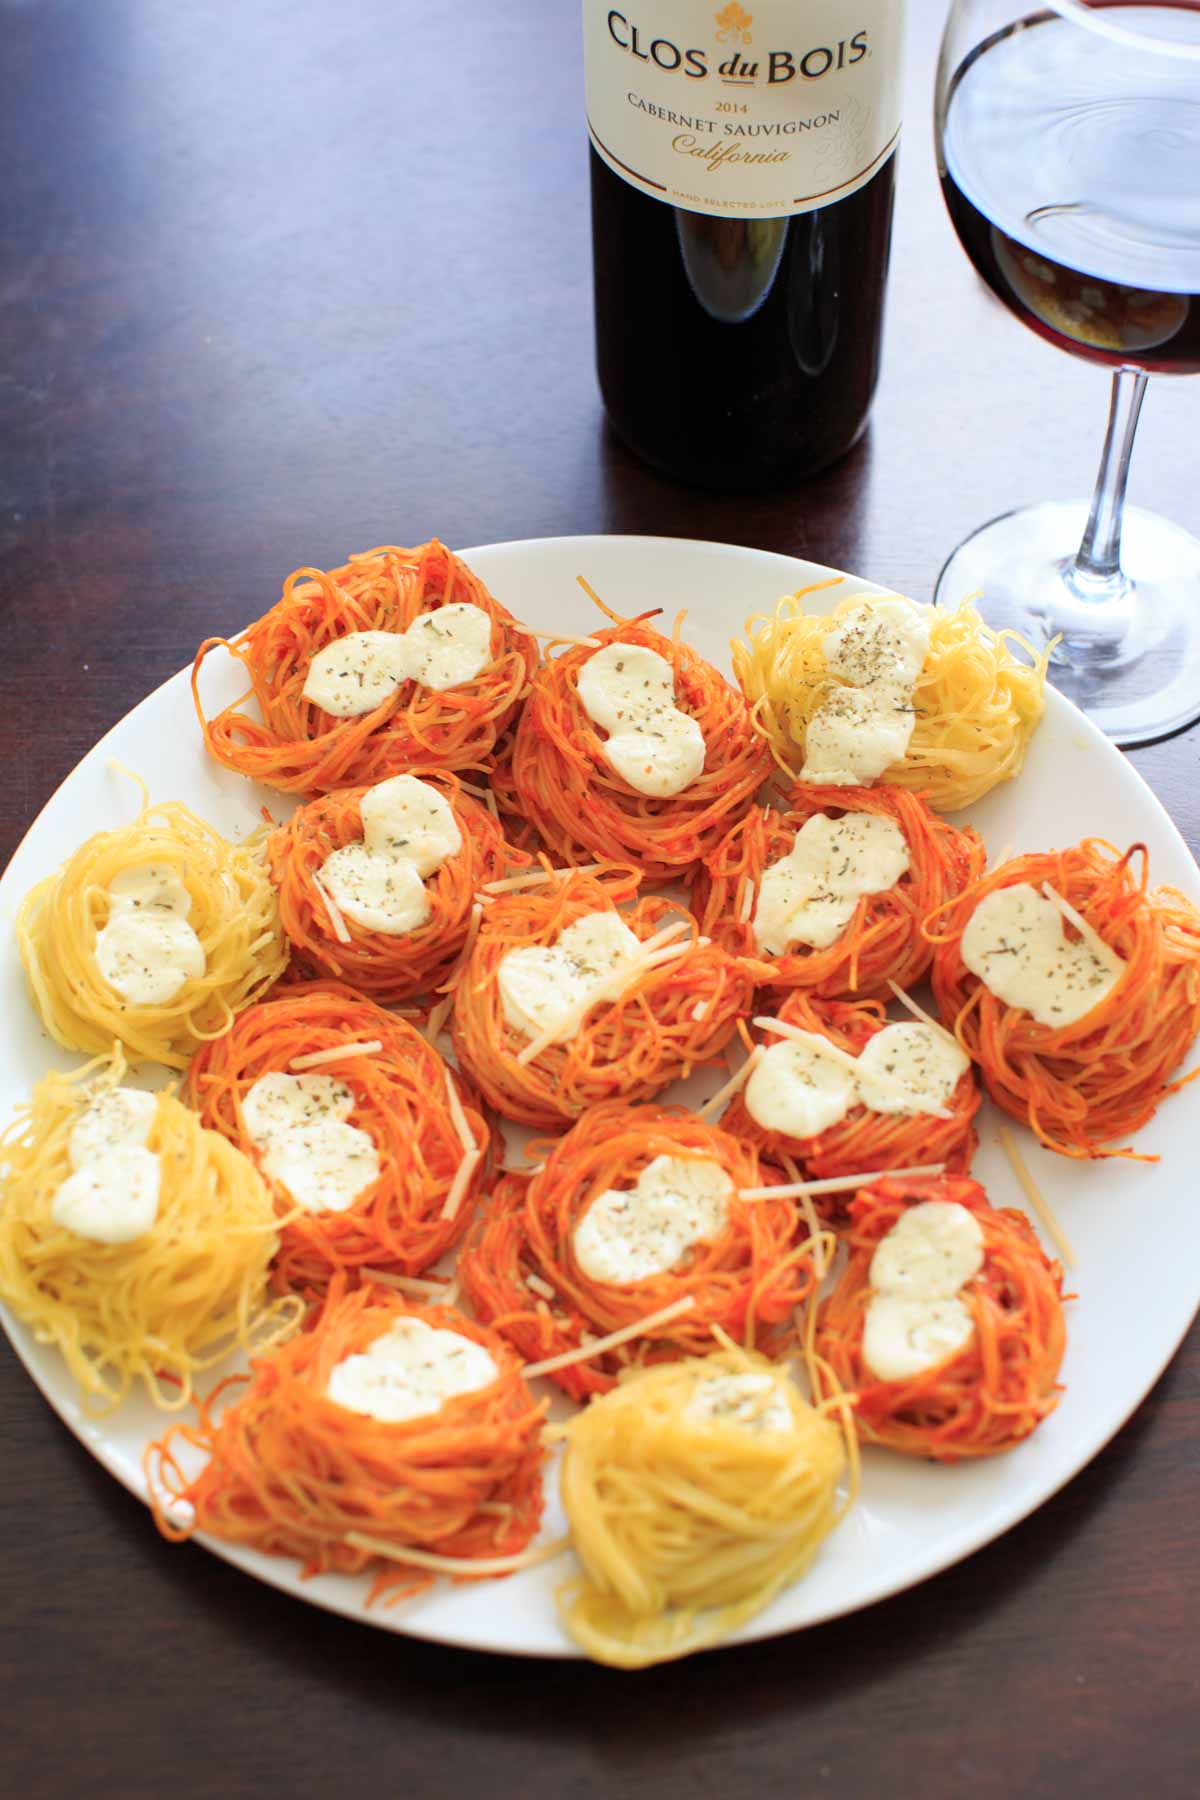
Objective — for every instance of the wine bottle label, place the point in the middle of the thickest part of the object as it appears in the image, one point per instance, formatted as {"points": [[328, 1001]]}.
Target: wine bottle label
{"points": [[775, 107]]}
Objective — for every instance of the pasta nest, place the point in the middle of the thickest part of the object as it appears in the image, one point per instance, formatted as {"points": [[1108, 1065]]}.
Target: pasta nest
{"points": [[1081, 1086], [294, 746], [882, 941], [688, 1524], [402, 1100], [667, 1021], [380, 966], [990, 1394], [291, 1472], [162, 1306], [976, 703], [563, 784], [519, 1268], [863, 1140], [233, 911]]}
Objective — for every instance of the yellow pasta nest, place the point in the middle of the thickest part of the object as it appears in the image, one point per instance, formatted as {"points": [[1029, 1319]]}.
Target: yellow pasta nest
{"points": [[233, 912], [976, 704], [163, 1305], [689, 1519]]}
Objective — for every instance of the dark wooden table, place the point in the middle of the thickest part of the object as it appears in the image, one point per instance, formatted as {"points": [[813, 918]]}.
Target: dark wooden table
{"points": [[282, 281]]}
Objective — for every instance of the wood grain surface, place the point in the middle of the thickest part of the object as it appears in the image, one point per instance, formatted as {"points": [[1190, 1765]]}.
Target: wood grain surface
{"points": [[282, 281]]}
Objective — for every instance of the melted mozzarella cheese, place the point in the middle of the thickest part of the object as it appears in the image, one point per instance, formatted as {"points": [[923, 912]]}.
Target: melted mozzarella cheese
{"points": [[410, 1372], [541, 988], [407, 818], [441, 649], [356, 673], [855, 735], [377, 892], [118, 1119], [809, 895], [931, 1252], [1016, 942], [629, 1234], [797, 1090], [910, 1068], [279, 1103], [629, 692], [324, 1167], [409, 831], [297, 1123], [754, 1403], [111, 1200], [111, 1196], [916, 1315], [885, 641], [147, 950], [874, 654], [903, 1338], [449, 647]]}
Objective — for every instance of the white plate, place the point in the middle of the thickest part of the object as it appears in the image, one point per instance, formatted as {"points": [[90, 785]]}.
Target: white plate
{"points": [[913, 1519]]}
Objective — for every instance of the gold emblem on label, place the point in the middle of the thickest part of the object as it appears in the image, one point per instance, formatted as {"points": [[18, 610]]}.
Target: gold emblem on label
{"points": [[733, 25]]}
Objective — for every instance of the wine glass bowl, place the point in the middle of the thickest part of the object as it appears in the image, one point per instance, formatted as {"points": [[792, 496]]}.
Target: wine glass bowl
{"points": [[1068, 141]]}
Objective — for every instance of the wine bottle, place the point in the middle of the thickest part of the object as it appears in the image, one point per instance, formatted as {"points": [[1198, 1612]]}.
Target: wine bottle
{"points": [[743, 171]]}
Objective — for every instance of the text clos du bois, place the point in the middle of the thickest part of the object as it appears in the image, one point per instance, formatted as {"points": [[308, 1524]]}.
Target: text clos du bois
{"points": [[743, 168]]}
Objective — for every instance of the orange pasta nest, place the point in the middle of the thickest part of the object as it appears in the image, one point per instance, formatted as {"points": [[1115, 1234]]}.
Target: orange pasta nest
{"points": [[297, 747], [671, 1017], [386, 968], [883, 941], [863, 1140], [401, 1100], [584, 810], [292, 1473], [1103, 1077], [518, 1265], [990, 1394]]}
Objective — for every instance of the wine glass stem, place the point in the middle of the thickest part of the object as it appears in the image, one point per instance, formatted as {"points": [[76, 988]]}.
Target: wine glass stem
{"points": [[1095, 575]]}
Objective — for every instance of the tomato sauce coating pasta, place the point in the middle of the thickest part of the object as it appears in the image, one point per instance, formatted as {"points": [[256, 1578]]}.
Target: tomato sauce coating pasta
{"points": [[401, 1094], [882, 941], [585, 811], [671, 1016], [863, 1140], [1082, 1085], [520, 1267], [292, 1472], [295, 746], [379, 965], [996, 1389]]}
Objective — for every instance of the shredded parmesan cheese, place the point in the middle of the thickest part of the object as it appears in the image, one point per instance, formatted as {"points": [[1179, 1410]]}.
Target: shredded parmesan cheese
{"points": [[839, 1184], [535, 878], [408, 1284], [1036, 1198], [339, 1053], [716, 1101], [611, 987], [437, 1019], [335, 918], [600, 1346], [458, 1565], [1090, 936]]}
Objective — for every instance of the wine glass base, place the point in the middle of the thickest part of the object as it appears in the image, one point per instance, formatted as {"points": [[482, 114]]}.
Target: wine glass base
{"points": [[1138, 676]]}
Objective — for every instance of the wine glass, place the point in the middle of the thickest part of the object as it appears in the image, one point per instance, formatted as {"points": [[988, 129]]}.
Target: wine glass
{"points": [[1068, 142]]}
